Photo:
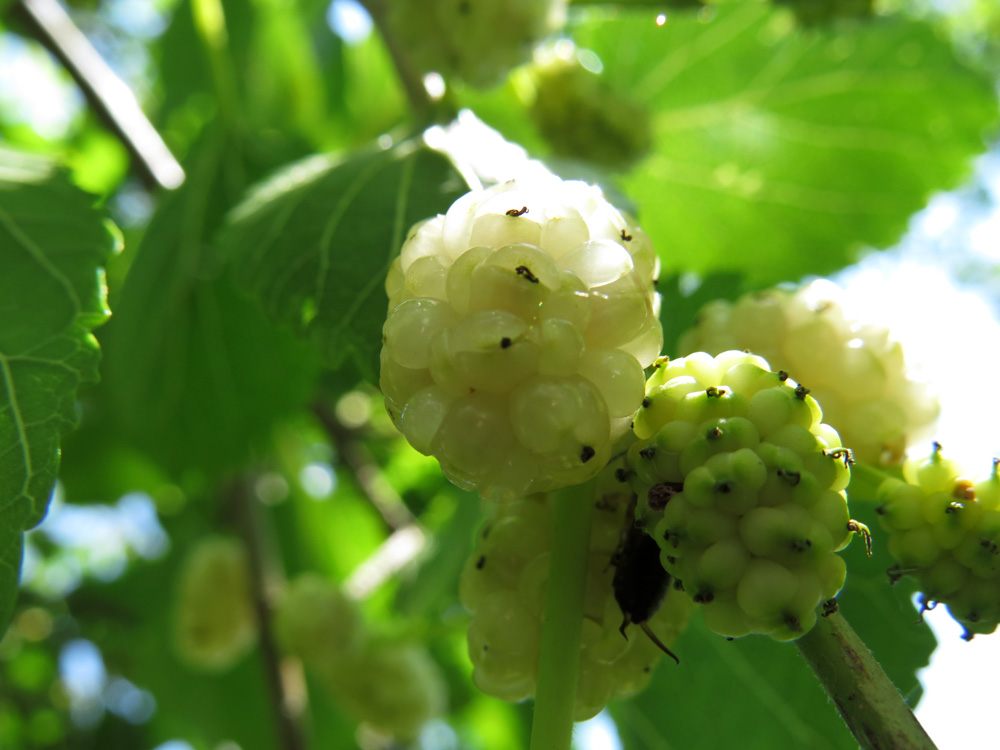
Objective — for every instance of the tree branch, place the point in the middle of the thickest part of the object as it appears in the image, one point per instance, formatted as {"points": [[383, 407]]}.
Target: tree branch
{"points": [[869, 703], [109, 96]]}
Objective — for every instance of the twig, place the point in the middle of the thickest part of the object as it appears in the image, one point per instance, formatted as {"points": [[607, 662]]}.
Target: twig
{"points": [[408, 538], [869, 703], [290, 736], [110, 97], [409, 76], [357, 457]]}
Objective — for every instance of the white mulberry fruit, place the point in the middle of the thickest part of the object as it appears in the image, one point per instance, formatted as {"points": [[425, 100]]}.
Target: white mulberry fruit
{"points": [[504, 586], [855, 369], [519, 325]]}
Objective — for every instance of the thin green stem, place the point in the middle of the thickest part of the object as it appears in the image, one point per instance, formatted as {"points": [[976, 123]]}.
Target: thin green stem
{"points": [[210, 23], [409, 76], [552, 727], [869, 703]]}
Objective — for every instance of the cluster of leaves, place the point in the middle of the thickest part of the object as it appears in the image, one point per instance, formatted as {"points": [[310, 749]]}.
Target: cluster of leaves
{"points": [[250, 305]]}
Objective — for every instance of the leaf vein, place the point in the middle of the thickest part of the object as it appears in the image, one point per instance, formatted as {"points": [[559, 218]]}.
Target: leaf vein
{"points": [[39, 256]]}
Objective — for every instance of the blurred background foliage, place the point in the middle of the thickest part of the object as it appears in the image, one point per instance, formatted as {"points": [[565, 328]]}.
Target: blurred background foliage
{"points": [[782, 140]]}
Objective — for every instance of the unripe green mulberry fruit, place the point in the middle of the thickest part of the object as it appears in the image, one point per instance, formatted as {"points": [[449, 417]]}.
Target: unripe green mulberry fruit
{"points": [[214, 620], [742, 486], [504, 586], [317, 623], [944, 531], [477, 41], [394, 687], [854, 369], [584, 117], [519, 325]]}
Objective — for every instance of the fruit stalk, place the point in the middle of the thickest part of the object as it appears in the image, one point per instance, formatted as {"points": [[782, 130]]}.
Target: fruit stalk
{"points": [[552, 726], [868, 702], [409, 76]]}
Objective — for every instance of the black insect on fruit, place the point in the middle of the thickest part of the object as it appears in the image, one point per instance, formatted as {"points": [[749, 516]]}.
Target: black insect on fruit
{"points": [[640, 583], [660, 494]]}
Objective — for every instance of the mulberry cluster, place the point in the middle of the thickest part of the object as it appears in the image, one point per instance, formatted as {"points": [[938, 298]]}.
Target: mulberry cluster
{"points": [[519, 325], [504, 586], [392, 686], [854, 369], [944, 531], [742, 486]]}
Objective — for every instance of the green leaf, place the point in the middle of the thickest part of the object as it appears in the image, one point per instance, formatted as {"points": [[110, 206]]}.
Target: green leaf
{"points": [[197, 376], [313, 245], [779, 152], [52, 246], [283, 71], [767, 696]]}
